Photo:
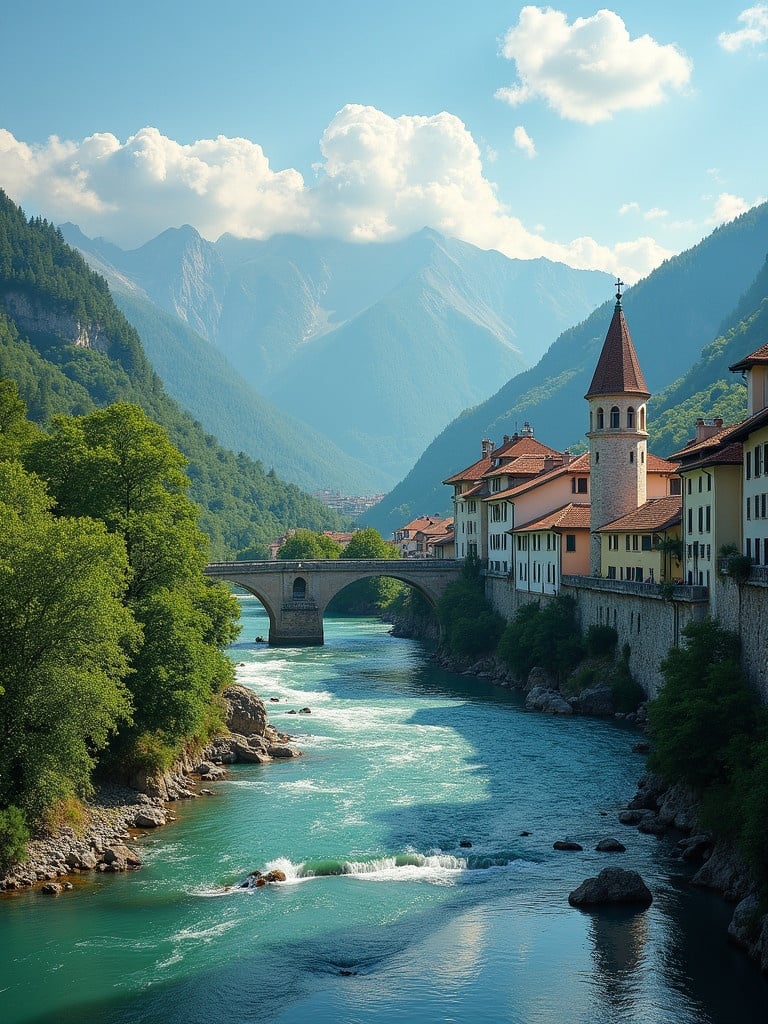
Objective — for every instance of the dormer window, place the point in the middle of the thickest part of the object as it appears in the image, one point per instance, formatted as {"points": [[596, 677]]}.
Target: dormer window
{"points": [[600, 419], [615, 418], [630, 418]]}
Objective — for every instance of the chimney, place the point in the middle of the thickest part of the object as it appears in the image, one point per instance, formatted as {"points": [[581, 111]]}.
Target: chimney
{"points": [[549, 463], [486, 448], [507, 438], [566, 457], [706, 428]]}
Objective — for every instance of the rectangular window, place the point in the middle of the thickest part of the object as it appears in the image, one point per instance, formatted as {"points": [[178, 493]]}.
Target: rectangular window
{"points": [[708, 517], [581, 485], [626, 542], [647, 542], [749, 508], [570, 542], [611, 572], [701, 518], [496, 485], [690, 519], [762, 506], [689, 485], [758, 460], [749, 547], [675, 485], [701, 480], [749, 465], [635, 542], [709, 481]]}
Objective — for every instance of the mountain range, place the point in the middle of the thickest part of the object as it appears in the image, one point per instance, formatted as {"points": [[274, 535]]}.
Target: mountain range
{"points": [[686, 319], [341, 361]]}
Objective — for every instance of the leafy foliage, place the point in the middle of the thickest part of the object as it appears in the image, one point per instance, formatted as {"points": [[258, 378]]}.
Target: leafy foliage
{"points": [[309, 544], [117, 466], [549, 637], [66, 641], [469, 624], [703, 703], [373, 596]]}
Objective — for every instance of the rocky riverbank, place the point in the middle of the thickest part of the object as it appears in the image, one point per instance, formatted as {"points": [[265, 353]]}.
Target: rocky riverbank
{"points": [[118, 813], [656, 808]]}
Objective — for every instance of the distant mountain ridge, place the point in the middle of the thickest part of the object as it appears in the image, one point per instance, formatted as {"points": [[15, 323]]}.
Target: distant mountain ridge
{"points": [[375, 346], [673, 315]]}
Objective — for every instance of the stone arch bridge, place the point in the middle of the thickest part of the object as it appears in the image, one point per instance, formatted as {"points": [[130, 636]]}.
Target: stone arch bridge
{"points": [[295, 594]]}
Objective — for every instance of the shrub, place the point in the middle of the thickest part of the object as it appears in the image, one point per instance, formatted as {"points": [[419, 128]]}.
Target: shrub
{"points": [[548, 637], [14, 836], [469, 624], [601, 641], [705, 702]]}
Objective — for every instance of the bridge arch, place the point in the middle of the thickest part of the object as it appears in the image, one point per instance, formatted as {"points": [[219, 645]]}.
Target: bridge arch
{"points": [[296, 594]]}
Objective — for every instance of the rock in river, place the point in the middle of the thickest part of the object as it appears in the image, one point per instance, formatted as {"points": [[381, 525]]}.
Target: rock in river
{"points": [[612, 885]]}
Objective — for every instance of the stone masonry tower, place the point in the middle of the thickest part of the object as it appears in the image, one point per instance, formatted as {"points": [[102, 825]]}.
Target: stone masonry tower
{"points": [[617, 436]]}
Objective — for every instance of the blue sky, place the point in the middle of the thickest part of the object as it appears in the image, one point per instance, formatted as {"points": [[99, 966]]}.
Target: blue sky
{"points": [[604, 137]]}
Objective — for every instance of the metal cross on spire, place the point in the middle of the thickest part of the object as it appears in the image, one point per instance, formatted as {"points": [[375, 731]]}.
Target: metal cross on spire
{"points": [[619, 286]]}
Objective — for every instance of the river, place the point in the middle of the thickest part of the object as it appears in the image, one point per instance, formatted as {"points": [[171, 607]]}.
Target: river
{"points": [[385, 917]]}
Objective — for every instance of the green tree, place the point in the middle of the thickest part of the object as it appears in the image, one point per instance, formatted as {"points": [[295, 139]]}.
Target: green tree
{"points": [[704, 703], [116, 465], [65, 637], [372, 596], [16, 432], [309, 545], [468, 622], [548, 637]]}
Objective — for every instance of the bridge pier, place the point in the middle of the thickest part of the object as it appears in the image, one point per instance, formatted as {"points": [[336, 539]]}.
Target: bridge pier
{"points": [[297, 624]]}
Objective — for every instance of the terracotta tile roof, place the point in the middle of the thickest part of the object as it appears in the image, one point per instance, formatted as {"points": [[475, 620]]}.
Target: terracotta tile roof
{"points": [[577, 467], [569, 517], [618, 369], [655, 514], [740, 431], [699, 448], [525, 465], [473, 472], [656, 465], [423, 523], [510, 451], [756, 358], [724, 455]]}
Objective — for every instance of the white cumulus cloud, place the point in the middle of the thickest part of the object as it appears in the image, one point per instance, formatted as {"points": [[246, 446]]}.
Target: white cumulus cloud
{"points": [[755, 30], [524, 141], [728, 207], [625, 208], [590, 70], [379, 178]]}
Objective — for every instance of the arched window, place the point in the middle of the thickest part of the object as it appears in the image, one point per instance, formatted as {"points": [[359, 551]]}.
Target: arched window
{"points": [[600, 419], [642, 417], [615, 421], [630, 418], [299, 588]]}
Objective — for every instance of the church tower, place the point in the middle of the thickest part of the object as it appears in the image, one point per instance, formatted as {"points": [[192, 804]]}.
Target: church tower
{"points": [[618, 439]]}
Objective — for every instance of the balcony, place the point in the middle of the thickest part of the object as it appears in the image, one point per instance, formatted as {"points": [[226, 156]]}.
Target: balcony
{"points": [[654, 591]]}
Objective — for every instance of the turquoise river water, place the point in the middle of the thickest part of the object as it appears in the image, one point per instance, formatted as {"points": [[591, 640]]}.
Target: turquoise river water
{"points": [[384, 916]]}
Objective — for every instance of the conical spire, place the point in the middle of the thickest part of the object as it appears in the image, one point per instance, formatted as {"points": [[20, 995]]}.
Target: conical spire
{"points": [[618, 369]]}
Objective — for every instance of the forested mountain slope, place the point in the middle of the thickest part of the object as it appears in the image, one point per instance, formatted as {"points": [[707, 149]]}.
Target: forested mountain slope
{"points": [[70, 349], [672, 314]]}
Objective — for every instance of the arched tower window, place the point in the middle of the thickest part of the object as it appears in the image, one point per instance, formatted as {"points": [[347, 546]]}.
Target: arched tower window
{"points": [[630, 418], [299, 588], [615, 418], [642, 417], [600, 419]]}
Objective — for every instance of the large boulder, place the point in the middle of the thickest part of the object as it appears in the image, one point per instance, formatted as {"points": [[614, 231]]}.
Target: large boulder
{"points": [[596, 701], [120, 858], [612, 885], [245, 712], [726, 873], [679, 808], [549, 701], [539, 677]]}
